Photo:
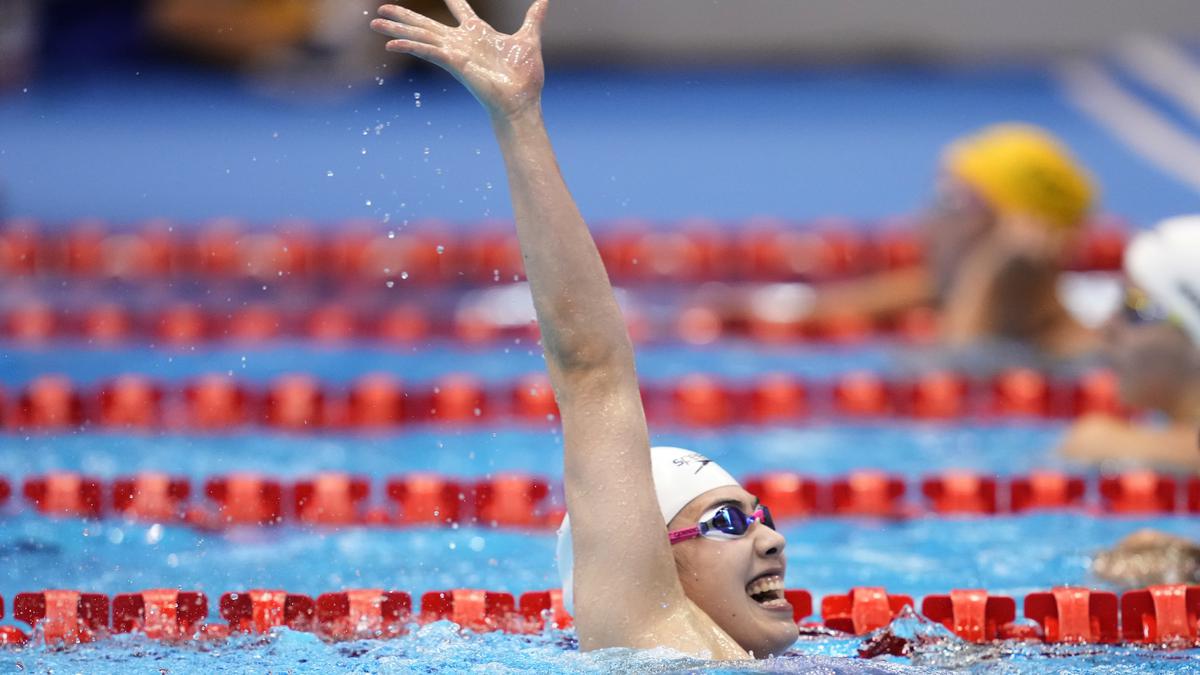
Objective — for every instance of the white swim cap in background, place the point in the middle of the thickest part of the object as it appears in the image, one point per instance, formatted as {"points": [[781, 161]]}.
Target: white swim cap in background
{"points": [[679, 477], [1165, 263]]}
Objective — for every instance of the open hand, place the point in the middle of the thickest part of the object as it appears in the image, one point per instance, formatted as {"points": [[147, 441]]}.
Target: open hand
{"points": [[504, 72]]}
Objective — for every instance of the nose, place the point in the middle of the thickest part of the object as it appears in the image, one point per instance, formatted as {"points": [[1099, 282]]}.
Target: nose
{"points": [[767, 542]]}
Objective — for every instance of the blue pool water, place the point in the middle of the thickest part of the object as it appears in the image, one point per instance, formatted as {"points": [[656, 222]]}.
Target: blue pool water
{"points": [[1011, 555], [860, 142]]}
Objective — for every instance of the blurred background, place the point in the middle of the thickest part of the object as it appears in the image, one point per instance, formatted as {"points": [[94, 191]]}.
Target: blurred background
{"points": [[230, 224], [265, 109]]}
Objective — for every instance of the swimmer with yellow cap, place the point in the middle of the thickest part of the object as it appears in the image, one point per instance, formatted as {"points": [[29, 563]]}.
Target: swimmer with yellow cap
{"points": [[1008, 201], [1153, 343], [665, 549]]}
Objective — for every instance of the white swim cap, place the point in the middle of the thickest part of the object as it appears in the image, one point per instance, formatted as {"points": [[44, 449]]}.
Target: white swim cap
{"points": [[1165, 263], [679, 477]]}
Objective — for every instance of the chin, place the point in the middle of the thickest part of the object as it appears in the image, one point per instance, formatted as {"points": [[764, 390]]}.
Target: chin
{"points": [[775, 644], [771, 636]]}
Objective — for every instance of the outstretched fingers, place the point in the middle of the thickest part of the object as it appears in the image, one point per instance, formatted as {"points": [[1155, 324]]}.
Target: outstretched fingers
{"points": [[461, 10], [405, 15], [428, 52], [406, 31], [536, 15]]}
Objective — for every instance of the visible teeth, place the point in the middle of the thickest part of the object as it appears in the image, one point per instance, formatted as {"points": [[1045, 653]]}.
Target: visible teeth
{"points": [[771, 584]]}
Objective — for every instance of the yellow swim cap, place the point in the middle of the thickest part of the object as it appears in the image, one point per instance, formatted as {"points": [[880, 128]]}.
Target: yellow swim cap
{"points": [[1020, 169]]}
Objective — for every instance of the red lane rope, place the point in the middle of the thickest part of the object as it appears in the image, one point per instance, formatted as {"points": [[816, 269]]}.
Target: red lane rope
{"points": [[517, 500], [439, 253], [34, 322], [1158, 615], [301, 403]]}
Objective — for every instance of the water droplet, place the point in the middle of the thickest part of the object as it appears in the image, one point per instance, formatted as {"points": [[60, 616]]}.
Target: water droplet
{"points": [[364, 151], [391, 284], [417, 99], [329, 173], [404, 275], [441, 249], [391, 234], [368, 202], [379, 81]]}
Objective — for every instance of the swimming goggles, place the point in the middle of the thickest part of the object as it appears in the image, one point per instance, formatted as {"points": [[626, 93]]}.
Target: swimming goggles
{"points": [[1140, 308], [726, 522]]}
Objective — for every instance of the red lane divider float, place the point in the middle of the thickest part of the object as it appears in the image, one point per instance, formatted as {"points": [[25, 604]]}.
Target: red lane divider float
{"points": [[389, 321], [441, 253], [972, 615], [161, 614], [862, 610], [1160, 615], [363, 614], [258, 611], [298, 403], [516, 500], [64, 616], [1075, 615]]}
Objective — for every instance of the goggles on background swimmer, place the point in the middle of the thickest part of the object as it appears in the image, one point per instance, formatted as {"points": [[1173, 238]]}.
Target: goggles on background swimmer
{"points": [[724, 522], [1140, 308]]}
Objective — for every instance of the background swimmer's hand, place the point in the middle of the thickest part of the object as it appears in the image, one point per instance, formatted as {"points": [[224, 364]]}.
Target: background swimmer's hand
{"points": [[504, 72]]}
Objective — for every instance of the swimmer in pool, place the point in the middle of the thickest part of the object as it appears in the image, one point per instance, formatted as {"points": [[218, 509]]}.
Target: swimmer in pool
{"points": [[1009, 200], [662, 548], [1154, 346]]}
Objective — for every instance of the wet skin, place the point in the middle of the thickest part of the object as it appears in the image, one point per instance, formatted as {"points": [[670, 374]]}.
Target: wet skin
{"points": [[716, 574]]}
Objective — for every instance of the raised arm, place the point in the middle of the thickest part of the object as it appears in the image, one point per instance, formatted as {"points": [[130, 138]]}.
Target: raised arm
{"points": [[627, 592]]}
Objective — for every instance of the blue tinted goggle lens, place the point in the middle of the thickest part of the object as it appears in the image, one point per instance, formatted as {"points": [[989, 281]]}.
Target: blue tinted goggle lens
{"points": [[731, 520]]}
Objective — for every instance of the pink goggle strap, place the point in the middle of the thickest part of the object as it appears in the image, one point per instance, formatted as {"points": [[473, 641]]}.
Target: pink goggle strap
{"points": [[693, 532], [683, 535]]}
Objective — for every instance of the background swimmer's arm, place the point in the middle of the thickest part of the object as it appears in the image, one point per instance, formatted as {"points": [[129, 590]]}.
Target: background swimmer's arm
{"points": [[878, 296], [1099, 438], [1007, 288], [627, 592]]}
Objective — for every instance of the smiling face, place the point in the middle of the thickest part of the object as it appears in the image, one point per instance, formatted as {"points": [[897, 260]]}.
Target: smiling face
{"points": [[737, 582]]}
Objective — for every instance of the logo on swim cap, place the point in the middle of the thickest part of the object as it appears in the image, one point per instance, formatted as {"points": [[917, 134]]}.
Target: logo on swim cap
{"points": [[696, 458]]}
